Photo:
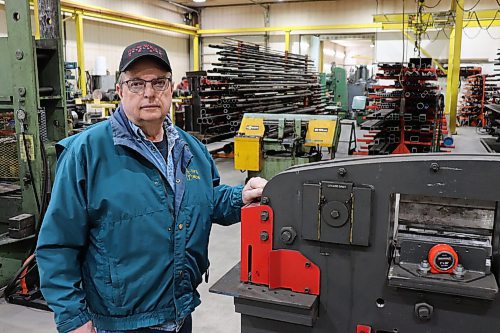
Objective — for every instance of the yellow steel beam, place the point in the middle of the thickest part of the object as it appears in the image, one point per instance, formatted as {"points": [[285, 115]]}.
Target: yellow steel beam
{"points": [[80, 52], [287, 41], [36, 19], [117, 16], [196, 53], [425, 52], [453, 77], [290, 28]]}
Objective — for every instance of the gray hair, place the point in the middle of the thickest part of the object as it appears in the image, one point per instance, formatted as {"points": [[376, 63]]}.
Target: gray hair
{"points": [[121, 78]]}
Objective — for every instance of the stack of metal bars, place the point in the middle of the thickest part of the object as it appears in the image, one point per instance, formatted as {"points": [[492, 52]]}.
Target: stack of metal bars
{"points": [[250, 78]]}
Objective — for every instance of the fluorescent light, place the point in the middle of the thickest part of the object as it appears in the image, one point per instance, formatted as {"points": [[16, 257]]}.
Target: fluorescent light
{"points": [[199, 0]]}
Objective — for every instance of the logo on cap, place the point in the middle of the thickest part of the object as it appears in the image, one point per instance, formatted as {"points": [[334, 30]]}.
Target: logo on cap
{"points": [[142, 48]]}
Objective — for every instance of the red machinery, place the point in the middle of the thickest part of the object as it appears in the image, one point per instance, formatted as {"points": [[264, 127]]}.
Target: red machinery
{"points": [[260, 264]]}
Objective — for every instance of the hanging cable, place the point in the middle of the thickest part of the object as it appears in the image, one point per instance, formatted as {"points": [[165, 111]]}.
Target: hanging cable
{"points": [[437, 4], [465, 33], [493, 37], [468, 10], [489, 25]]}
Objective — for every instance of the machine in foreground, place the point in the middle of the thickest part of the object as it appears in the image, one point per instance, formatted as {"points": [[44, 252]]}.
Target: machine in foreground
{"points": [[386, 244]]}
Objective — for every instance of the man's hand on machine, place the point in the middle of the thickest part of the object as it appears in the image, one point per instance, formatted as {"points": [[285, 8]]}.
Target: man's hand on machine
{"points": [[253, 189]]}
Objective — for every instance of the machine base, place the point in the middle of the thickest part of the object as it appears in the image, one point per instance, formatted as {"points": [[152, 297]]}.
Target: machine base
{"points": [[259, 301]]}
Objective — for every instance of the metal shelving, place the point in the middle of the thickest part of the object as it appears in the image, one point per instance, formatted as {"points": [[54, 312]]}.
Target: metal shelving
{"points": [[250, 78]]}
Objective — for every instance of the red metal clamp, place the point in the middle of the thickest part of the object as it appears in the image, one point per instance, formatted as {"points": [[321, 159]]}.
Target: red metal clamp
{"points": [[260, 264]]}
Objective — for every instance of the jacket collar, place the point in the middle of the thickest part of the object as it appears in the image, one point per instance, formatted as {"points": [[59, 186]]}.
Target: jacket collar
{"points": [[125, 133]]}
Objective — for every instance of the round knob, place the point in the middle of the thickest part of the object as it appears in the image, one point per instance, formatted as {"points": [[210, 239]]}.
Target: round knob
{"points": [[442, 258]]}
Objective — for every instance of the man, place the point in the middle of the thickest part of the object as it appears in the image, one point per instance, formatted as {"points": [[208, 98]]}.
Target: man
{"points": [[124, 242], [183, 85]]}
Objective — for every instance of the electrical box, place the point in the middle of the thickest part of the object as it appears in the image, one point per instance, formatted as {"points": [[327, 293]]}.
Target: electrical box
{"points": [[247, 153]]}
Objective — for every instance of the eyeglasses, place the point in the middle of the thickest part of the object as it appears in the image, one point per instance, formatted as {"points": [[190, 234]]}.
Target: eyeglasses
{"points": [[139, 85]]}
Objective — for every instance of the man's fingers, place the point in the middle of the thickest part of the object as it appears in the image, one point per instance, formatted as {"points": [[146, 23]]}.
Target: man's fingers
{"points": [[257, 182], [255, 193], [251, 195]]}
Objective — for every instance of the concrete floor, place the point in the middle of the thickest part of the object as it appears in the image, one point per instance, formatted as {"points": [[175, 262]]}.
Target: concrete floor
{"points": [[216, 313]]}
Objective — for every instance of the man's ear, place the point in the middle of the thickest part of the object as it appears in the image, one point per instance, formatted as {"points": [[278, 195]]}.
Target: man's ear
{"points": [[119, 90]]}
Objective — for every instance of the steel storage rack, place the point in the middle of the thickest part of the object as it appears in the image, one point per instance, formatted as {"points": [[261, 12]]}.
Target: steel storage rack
{"points": [[408, 116], [382, 121], [492, 108], [249, 78], [473, 100], [422, 122]]}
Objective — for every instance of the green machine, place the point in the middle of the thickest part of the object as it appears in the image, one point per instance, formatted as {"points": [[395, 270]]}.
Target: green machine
{"points": [[336, 86], [33, 118], [267, 144]]}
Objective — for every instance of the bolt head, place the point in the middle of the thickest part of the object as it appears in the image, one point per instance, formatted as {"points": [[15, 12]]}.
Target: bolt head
{"points": [[423, 312], [435, 167], [335, 214], [264, 236], [19, 54], [286, 236]]}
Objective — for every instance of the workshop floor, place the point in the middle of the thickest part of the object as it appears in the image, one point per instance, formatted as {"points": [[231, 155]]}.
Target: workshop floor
{"points": [[216, 313]]}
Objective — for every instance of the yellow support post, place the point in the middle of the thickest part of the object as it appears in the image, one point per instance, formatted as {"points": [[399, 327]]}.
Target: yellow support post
{"points": [[321, 59], [80, 52], [196, 52], [36, 19], [453, 77], [287, 41]]}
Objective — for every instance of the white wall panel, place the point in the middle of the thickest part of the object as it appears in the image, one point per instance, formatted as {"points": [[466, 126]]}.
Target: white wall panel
{"points": [[232, 17], [157, 9], [322, 13]]}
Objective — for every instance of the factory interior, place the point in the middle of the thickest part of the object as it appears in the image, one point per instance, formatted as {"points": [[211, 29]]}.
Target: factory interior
{"points": [[305, 94]]}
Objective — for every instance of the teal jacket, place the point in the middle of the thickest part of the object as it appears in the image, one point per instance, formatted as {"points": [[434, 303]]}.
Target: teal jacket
{"points": [[118, 245]]}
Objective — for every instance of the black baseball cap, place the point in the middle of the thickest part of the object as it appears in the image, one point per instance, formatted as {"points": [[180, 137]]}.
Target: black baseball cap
{"points": [[143, 49]]}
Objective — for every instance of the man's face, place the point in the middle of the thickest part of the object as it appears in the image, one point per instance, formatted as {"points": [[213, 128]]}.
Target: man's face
{"points": [[151, 105]]}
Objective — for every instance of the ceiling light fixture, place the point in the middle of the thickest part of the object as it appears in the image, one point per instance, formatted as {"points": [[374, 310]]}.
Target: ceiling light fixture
{"points": [[199, 0]]}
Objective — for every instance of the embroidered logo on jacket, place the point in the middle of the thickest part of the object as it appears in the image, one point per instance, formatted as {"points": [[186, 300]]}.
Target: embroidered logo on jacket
{"points": [[192, 174]]}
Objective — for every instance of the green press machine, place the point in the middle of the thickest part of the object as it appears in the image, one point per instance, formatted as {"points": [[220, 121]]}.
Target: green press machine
{"points": [[33, 118]]}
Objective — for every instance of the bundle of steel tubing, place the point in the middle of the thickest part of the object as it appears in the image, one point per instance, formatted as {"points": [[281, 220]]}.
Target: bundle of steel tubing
{"points": [[250, 78]]}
